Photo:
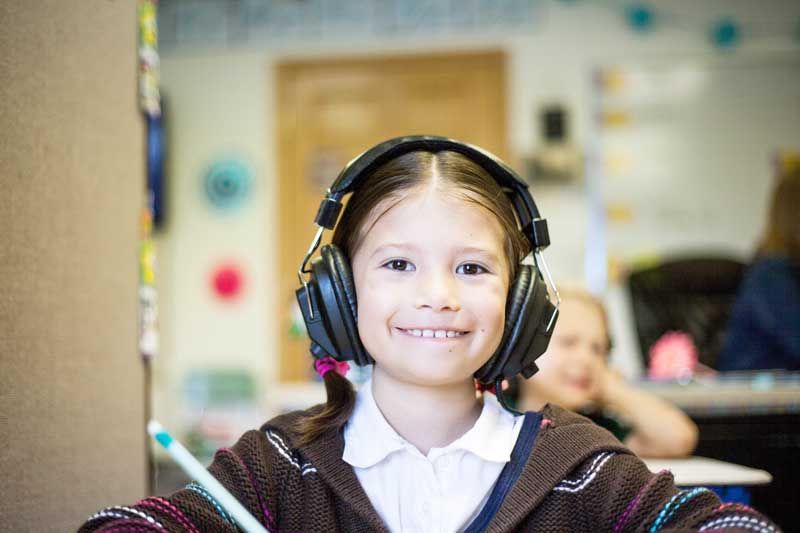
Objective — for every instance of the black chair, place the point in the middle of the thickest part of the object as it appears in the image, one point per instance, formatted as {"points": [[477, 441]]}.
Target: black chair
{"points": [[693, 295]]}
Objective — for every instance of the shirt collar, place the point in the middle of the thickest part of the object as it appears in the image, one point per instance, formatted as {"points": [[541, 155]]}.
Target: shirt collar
{"points": [[369, 438], [493, 436]]}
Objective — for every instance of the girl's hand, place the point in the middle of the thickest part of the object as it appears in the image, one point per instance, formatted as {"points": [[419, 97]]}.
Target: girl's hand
{"points": [[611, 385], [658, 428]]}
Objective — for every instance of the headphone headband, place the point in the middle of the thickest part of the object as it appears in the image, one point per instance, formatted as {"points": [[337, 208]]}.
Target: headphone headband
{"points": [[355, 172]]}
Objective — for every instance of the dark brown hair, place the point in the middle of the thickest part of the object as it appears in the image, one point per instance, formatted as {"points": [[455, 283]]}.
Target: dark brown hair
{"points": [[384, 188], [782, 235]]}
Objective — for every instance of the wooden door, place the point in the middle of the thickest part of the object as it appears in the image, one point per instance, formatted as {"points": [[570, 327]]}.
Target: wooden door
{"points": [[330, 111]]}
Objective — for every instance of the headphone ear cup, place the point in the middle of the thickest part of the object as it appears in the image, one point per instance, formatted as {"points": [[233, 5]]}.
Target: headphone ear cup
{"points": [[525, 337], [517, 296], [345, 320]]}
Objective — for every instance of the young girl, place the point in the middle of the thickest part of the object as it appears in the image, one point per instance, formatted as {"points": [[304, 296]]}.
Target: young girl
{"points": [[574, 374], [435, 252]]}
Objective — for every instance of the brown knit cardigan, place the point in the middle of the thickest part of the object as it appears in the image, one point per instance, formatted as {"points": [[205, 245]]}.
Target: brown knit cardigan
{"points": [[565, 474]]}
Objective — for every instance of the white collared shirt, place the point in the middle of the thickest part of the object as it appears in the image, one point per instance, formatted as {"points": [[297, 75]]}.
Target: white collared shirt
{"points": [[442, 492]]}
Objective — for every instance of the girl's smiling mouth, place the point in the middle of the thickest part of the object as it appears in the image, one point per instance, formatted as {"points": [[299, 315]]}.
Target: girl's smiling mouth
{"points": [[432, 333]]}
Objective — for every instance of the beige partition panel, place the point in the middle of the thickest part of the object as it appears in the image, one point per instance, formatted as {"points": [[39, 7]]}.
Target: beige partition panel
{"points": [[71, 185]]}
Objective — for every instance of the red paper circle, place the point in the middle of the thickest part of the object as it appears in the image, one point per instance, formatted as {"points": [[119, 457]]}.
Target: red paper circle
{"points": [[227, 281]]}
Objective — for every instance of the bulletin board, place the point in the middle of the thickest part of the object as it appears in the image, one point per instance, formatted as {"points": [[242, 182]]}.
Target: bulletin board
{"points": [[682, 155]]}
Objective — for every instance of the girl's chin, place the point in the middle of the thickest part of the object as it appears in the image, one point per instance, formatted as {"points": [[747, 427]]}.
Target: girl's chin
{"points": [[577, 399], [437, 376], [429, 375], [571, 406]]}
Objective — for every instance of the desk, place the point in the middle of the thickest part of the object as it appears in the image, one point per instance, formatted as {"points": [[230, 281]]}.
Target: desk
{"points": [[702, 471], [756, 393], [750, 419]]}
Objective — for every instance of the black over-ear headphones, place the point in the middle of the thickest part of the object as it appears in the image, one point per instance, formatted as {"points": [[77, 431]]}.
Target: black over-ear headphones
{"points": [[328, 298]]}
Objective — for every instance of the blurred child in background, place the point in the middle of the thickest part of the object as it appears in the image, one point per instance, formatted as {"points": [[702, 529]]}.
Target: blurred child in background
{"points": [[574, 374], [764, 328]]}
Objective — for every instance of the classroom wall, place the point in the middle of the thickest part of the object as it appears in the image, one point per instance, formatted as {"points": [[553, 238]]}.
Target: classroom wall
{"points": [[200, 331], [222, 99], [71, 416]]}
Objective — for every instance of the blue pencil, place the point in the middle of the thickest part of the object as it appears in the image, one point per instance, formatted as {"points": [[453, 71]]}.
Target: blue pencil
{"points": [[196, 471]]}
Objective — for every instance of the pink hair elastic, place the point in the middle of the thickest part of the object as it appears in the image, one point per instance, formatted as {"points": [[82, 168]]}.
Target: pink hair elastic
{"points": [[485, 388], [328, 363]]}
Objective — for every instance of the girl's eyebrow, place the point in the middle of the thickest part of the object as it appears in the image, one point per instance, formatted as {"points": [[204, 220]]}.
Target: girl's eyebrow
{"points": [[488, 254], [399, 245]]}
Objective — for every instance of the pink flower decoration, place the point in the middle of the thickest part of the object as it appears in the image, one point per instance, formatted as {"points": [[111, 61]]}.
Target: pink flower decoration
{"points": [[673, 356]]}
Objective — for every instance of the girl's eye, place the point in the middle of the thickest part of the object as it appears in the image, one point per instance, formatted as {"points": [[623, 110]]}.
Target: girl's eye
{"points": [[567, 341], [599, 349], [399, 264], [470, 269]]}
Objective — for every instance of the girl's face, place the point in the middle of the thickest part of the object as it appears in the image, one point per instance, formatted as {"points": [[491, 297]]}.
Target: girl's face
{"points": [[571, 370], [431, 279]]}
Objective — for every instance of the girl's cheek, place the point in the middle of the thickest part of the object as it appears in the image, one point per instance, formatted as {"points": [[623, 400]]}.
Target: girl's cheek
{"points": [[494, 291], [379, 279], [547, 363]]}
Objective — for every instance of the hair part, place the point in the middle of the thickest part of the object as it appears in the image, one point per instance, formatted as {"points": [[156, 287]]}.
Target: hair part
{"points": [[387, 186], [446, 171]]}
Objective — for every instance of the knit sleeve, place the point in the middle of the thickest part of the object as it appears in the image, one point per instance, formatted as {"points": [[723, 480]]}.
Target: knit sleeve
{"points": [[246, 470], [622, 495]]}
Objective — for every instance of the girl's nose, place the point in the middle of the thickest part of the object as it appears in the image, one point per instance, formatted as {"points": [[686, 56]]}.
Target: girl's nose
{"points": [[583, 354], [438, 292]]}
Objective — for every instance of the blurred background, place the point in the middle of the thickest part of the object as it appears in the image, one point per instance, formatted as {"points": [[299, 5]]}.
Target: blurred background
{"points": [[163, 162]]}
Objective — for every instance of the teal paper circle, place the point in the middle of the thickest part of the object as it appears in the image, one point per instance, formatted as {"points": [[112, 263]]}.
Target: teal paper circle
{"points": [[640, 17], [227, 184], [725, 33]]}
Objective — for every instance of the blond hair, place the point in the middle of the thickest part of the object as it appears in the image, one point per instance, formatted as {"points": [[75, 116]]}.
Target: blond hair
{"points": [[581, 294], [782, 235]]}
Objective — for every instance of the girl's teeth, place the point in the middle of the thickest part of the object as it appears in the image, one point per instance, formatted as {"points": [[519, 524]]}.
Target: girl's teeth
{"points": [[430, 333]]}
